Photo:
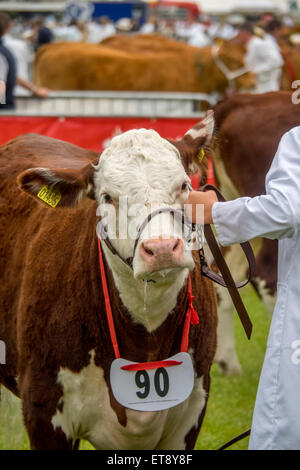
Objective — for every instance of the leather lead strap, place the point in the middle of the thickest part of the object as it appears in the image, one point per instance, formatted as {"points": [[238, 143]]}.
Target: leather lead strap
{"points": [[229, 282], [236, 439], [226, 279]]}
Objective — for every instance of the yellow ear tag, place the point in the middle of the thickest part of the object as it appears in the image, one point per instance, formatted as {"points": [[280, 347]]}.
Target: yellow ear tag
{"points": [[49, 195], [201, 155]]}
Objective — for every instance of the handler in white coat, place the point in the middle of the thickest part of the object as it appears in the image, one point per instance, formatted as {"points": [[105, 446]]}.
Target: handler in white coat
{"points": [[263, 58], [276, 215]]}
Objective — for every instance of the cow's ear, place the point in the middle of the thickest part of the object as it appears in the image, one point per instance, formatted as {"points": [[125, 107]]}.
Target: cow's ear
{"points": [[195, 146], [58, 188]]}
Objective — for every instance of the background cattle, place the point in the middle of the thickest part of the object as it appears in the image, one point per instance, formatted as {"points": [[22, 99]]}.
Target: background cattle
{"points": [[138, 63], [248, 131], [291, 67], [52, 308]]}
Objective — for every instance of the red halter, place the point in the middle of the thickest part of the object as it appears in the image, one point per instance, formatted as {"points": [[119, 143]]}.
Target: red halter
{"points": [[190, 318]]}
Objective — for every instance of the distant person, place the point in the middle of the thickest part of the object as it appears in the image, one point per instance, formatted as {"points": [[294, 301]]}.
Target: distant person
{"points": [[8, 71], [124, 25], [167, 28], [2, 81], [150, 27], [272, 32], [99, 29], [81, 25], [222, 30], [199, 36], [67, 32], [107, 28], [41, 34], [263, 58], [24, 57]]}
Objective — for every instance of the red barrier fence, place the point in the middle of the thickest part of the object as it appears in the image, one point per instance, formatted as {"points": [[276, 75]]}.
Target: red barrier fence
{"points": [[92, 133]]}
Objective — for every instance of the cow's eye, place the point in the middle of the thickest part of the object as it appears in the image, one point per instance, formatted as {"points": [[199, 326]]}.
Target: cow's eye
{"points": [[107, 198], [184, 186]]}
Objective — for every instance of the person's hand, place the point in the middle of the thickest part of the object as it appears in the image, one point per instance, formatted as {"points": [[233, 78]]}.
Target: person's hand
{"points": [[35, 90], [207, 199], [41, 92]]}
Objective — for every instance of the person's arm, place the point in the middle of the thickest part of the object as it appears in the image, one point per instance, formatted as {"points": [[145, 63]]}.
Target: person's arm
{"points": [[41, 92], [275, 215], [2, 91], [3, 76]]}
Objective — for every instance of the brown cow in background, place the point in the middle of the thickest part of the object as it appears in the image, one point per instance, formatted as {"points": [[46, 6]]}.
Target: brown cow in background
{"points": [[248, 131], [138, 63]]}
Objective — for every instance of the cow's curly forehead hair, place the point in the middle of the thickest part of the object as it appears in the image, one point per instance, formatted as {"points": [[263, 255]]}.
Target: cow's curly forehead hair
{"points": [[138, 155], [139, 143]]}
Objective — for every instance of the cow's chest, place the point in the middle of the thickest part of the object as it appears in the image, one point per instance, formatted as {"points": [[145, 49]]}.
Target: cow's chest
{"points": [[87, 414]]}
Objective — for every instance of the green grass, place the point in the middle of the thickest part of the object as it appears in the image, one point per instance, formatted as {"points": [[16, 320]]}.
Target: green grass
{"points": [[12, 432], [231, 400]]}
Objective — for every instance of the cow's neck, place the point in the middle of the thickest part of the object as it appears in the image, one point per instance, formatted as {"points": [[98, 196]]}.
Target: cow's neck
{"points": [[148, 303]]}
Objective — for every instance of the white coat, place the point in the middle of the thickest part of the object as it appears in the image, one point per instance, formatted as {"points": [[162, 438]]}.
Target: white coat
{"points": [[264, 59], [276, 215]]}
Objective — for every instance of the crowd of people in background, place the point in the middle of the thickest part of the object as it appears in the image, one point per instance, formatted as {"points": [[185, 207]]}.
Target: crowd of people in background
{"points": [[199, 32], [23, 37]]}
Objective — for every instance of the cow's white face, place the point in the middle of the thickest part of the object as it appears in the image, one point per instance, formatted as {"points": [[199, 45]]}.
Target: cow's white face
{"points": [[138, 173]]}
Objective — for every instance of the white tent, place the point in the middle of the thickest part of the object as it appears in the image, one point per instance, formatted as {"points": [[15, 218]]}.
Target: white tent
{"points": [[260, 6], [216, 7], [244, 6]]}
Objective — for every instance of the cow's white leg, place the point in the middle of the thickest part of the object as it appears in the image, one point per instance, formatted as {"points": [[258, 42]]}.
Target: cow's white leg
{"points": [[226, 355], [267, 297], [226, 186], [182, 418]]}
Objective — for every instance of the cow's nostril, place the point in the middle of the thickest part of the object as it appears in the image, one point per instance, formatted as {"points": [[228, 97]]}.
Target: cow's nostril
{"points": [[176, 245], [149, 252]]}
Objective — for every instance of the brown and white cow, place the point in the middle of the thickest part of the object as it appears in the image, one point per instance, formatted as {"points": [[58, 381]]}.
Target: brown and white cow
{"points": [[141, 63], [52, 310], [248, 131]]}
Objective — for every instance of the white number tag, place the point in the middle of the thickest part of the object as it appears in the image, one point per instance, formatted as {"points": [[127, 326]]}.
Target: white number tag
{"points": [[154, 389]]}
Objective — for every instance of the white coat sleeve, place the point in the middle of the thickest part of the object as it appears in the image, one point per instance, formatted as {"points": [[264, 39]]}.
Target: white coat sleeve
{"points": [[276, 214]]}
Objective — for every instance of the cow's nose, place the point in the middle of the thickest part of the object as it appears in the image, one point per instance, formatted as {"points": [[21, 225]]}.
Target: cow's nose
{"points": [[161, 252]]}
